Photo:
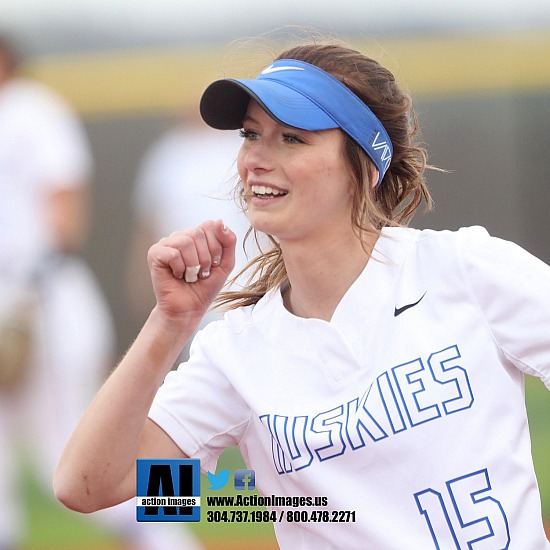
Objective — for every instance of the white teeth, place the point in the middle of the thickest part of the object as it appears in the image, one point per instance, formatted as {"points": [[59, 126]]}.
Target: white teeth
{"points": [[263, 190]]}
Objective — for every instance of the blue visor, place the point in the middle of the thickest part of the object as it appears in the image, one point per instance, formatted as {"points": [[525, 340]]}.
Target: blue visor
{"points": [[299, 95]]}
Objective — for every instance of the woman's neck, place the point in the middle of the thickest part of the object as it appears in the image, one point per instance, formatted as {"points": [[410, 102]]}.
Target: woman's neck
{"points": [[320, 275]]}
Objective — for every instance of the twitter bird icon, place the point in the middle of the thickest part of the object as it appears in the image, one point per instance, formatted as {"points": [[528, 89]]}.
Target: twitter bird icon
{"points": [[218, 481]]}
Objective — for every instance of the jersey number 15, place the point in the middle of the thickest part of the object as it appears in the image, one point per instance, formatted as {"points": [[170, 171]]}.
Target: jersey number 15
{"points": [[473, 520]]}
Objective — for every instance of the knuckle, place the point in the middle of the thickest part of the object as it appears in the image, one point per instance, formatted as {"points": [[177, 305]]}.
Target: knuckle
{"points": [[208, 224], [153, 250], [190, 238], [173, 254]]}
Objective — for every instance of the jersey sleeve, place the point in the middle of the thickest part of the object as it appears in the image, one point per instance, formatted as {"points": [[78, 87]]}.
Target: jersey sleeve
{"points": [[198, 407], [512, 289]]}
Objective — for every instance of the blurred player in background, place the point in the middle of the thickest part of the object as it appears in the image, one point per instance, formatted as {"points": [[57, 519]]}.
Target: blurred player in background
{"points": [[57, 339]]}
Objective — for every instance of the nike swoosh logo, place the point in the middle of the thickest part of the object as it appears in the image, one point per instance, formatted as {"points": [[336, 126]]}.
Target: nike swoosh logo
{"points": [[272, 69], [400, 310]]}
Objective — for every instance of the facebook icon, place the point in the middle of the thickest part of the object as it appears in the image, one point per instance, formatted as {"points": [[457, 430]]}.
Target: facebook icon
{"points": [[245, 479]]}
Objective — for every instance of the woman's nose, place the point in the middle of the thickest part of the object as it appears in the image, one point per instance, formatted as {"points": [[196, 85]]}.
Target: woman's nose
{"points": [[257, 156]]}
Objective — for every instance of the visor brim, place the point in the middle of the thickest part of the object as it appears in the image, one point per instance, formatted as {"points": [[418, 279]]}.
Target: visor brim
{"points": [[224, 104]]}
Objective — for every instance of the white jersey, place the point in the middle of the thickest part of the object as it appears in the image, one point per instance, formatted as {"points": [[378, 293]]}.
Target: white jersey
{"points": [[407, 408]]}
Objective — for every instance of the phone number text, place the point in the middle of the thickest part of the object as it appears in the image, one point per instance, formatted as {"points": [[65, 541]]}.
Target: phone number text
{"points": [[290, 516]]}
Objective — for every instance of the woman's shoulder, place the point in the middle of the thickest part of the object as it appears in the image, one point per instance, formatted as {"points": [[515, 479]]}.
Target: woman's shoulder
{"points": [[449, 250], [447, 242], [470, 248], [442, 235]]}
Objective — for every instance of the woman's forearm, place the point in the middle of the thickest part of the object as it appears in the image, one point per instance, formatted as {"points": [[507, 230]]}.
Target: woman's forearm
{"points": [[97, 467]]}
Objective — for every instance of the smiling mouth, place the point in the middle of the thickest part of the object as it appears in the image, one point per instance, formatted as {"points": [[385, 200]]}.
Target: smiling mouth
{"points": [[264, 191]]}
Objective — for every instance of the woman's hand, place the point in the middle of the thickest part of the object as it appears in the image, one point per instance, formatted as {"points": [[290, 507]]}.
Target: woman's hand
{"points": [[189, 268]]}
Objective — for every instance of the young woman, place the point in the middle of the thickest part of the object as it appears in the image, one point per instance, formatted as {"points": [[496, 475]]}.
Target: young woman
{"points": [[375, 365]]}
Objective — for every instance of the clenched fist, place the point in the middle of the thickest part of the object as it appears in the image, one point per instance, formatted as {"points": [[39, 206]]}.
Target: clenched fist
{"points": [[189, 268]]}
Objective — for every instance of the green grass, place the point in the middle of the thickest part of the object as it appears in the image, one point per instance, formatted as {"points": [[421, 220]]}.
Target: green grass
{"points": [[538, 408], [52, 527]]}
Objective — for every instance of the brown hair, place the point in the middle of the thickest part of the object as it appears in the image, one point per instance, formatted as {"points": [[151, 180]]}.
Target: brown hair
{"points": [[401, 191]]}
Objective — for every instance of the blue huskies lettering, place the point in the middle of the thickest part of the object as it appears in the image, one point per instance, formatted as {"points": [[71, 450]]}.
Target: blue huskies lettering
{"points": [[399, 399]]}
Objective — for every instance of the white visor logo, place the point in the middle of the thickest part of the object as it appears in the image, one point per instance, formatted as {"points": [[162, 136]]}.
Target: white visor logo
{"points": [[272, 69]]}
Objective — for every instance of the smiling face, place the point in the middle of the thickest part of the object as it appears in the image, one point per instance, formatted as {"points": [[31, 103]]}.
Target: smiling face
{"points": [[296, 183]]}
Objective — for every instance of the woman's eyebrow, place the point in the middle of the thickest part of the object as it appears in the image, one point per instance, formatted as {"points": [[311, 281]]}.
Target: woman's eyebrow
{"points": [[248, 118], [252, 120]]}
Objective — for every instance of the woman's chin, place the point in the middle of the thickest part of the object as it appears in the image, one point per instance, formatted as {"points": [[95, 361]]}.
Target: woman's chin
{"points": [[261, 225]]}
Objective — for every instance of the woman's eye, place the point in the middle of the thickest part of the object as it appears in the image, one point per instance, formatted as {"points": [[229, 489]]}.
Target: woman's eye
{"points": [[293, 138], [248, 134]]}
